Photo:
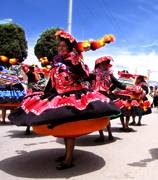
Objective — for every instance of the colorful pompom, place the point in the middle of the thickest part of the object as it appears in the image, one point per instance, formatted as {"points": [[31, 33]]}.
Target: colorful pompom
{"points": [[13, 61], [64, 35], [43, 58], [45, 62], [84, 46], [4, 58], [101, 42]]}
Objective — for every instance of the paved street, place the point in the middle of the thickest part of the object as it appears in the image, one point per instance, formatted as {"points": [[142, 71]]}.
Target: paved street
{"points": [[131, 155]]}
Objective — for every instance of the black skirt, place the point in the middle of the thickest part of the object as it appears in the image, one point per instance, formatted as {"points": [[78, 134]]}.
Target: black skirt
{"points": [[55, 109]]}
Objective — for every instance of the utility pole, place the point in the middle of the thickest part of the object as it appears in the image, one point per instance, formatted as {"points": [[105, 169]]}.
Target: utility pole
{"points": [[70, 16], [83, 28], [136, 70], [149, 72]]}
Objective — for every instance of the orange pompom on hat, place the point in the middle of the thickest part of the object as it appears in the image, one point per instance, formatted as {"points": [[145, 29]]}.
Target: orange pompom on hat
{"points": [[101, 42], [102, 59], [13, 61], [86, 45], [4, 58]]}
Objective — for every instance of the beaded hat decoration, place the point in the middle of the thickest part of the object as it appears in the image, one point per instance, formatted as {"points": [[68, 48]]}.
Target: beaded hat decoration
{"points": [[64, 35], [102, 59], [86, 45]]}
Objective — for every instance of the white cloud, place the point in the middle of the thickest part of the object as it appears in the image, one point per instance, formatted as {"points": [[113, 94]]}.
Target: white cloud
{"points": [[144, 9], [139, 64], [150, 45], [31, 58]]}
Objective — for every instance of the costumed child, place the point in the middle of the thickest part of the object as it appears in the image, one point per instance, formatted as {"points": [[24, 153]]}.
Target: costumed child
{"points": [[101, 79], [140, 95], [127, 79], [67, 109]]}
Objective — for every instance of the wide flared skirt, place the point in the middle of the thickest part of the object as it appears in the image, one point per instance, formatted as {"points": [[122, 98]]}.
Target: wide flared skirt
{"points": [[73, 129], [128, 106], [53, 109]]}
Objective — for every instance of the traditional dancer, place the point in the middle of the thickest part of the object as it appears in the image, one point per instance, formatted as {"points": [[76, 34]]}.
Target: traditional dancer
{"points": [[127, 79], [32, 86], [139, 95], [102, 78], [66, 102]]}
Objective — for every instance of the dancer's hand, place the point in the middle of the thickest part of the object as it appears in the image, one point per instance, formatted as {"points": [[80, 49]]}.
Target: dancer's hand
{"points": [[74, 52], [128, 88]]}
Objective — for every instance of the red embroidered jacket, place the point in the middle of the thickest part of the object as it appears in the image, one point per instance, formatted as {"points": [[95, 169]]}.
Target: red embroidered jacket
{"points": [[65, 76]]}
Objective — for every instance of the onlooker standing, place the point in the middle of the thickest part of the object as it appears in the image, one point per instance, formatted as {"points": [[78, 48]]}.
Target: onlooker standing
{"points": [[155, 96], [152, 95]]}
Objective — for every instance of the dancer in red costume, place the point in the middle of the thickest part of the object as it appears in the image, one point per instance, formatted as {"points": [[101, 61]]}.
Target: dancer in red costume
{"points": [[139, 95], [66, 101], [32, 87], [127, 79], [101, 79]]}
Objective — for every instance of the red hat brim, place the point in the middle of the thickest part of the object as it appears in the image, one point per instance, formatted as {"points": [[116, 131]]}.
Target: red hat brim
{"points": [[64, 35], [137, 75], [110, 65], [102, 59], [125, 74]]}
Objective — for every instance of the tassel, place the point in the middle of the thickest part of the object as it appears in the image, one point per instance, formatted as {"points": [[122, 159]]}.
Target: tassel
{"points": [[93, 45], [44, 60], [84, 46], [101, 42], [13, 61], [4, 58]]}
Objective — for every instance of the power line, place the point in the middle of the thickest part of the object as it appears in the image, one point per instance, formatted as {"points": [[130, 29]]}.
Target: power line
{"points": [[83, 27], [95, 17], [101, 24], [122, 34]]}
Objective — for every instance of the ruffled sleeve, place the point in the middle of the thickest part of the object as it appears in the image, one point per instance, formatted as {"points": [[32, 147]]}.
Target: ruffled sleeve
{"points": [[51, 84], [77, 66]]}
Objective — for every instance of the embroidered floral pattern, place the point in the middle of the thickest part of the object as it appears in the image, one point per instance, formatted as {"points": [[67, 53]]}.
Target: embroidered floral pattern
{"points": [[37, 106]]}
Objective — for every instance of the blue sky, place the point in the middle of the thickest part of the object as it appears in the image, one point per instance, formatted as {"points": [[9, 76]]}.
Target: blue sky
{"points": [[133, 23]]}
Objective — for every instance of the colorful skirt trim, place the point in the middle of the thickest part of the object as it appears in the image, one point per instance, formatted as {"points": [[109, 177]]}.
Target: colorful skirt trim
{"points": [[54, 109]]}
